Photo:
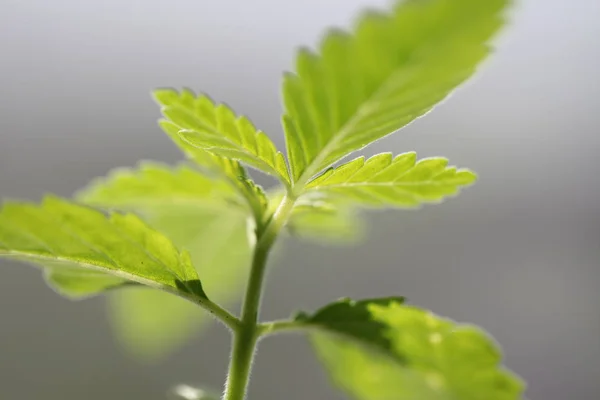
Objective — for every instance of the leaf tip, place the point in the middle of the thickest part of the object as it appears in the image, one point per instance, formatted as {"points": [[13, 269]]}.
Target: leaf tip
{"points": [[466, 176], [164, 96]]}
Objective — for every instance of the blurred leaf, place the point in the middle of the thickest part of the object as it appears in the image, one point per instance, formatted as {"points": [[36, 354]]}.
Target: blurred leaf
{"points": [[78, 284], [151, 185], [150, 324], [218, 130], [383, 181], [394, 68], [60, 234], [382, 350], [326, 221], [186, 392], [321, 219], [324, 226]]}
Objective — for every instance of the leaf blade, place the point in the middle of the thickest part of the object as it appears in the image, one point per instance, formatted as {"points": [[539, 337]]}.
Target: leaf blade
{"points": [[202, 219], [222, 166], [393, 69], [216, 129], [381, 349], [220, 251], [62, 234], [403, 181], [231, 171]]}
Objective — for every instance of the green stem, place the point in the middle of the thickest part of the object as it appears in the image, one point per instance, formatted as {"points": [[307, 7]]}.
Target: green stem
{"points": [[217, 311], [274, 327], [246, 335]]}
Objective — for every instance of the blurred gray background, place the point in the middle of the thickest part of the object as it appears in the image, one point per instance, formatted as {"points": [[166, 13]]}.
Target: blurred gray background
{"points": [[517, 254]]}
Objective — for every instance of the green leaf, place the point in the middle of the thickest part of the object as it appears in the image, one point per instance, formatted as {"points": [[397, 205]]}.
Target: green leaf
{"points": [[383, 181], [216, 129], [222, 166], [229, 170], [196, 213], [381, 350], [256, 198], [151, 324], [61, 234], [152, 185], [393, 69]]}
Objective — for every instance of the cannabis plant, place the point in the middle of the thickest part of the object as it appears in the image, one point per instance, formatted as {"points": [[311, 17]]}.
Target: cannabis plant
{"points": [[130, 229]]}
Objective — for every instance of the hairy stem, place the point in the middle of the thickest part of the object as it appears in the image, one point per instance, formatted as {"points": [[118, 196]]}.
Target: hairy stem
{"points": [[246, 335], [221, 314]]}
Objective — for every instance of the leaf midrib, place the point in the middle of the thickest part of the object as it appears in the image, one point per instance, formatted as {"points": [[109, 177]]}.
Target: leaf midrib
{"points": [[382, 184], [362, 110], [94, 267], [111, 263], [236, 147]]}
